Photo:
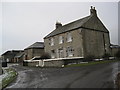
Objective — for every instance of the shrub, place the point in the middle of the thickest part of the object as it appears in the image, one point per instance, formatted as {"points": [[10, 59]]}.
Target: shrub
{"points": [[45, 56]]}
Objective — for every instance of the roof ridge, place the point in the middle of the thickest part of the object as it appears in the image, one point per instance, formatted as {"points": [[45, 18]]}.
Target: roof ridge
{"points": [[36, 45], [77, 20], [69, 26]]}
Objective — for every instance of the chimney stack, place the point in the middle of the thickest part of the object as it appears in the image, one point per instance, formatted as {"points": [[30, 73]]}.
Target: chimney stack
{"points": [[93, 11], [58, 24]]}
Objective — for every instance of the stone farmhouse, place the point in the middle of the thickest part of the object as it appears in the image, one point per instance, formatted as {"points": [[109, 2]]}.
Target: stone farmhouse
{"points": [[81, 38], [36, 49]]}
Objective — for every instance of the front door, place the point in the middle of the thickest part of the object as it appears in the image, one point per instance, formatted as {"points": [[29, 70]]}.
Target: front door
{"points": [[53, 54], [61, 54]]}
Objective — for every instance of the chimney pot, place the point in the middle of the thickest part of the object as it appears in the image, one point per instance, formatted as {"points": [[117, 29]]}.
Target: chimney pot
{"points": [[93, 11], [91, 7], [58, 24]]}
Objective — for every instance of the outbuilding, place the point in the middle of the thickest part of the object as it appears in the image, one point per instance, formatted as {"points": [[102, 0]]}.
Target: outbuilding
{"points": [[36, 49]]}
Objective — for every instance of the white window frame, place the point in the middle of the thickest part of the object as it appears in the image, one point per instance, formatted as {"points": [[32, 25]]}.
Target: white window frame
{"points": [[52, 41], [69, 51], [69, 37], [60, 39], [52, 53]]}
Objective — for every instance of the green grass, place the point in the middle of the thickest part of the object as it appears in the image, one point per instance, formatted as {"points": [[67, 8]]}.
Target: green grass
{"points": [[9, 78], [91, 63]]}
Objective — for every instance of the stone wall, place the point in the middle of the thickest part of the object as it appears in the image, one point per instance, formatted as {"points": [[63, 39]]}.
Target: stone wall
{"points": [[53, 63], [45, 63], [35, 63], [76, 44], [62, 62], [95, 43], [84, 42], [30, 53], [38, 52]]}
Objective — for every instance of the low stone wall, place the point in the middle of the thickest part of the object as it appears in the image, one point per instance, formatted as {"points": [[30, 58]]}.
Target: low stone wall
{"points": [[34, 63], [54, 63], [70, 61], [61, 62]]}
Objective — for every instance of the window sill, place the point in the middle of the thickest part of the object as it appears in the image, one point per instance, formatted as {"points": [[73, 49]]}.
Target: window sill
{"points": [[69, 41]]}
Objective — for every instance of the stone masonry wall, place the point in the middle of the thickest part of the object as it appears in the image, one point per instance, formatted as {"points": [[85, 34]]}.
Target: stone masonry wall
{"points": [[54, 63], [76, 43], [95, 43]]}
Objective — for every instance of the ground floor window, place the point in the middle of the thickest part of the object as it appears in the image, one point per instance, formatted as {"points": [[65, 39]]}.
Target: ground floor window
{"points": [[69, 51], [52, 53], [60, 53]]}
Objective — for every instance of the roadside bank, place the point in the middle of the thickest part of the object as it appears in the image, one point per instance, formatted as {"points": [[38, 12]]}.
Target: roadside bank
{"points": [[7, 77]]}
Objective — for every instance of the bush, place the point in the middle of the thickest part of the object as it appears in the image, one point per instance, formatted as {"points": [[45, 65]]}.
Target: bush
{"points": [[45, 56]]}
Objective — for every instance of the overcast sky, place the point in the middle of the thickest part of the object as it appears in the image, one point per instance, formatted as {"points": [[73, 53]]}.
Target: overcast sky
{"points": [[24, 23]]}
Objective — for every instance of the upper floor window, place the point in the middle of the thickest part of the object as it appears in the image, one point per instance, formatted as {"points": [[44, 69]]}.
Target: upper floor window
{"points": [[61, 39], [52, 41], [69, 37]]}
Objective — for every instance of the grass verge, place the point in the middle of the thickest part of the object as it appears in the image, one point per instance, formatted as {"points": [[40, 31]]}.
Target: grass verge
{"points": [[11, 75], [91, 63]]}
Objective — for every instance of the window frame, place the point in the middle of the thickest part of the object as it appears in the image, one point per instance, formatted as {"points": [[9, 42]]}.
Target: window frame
{"points": [[61, 39], [69, 51], [69, 37], [52, 41]]}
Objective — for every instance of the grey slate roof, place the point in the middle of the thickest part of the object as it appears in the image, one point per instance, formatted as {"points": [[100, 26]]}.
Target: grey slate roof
{"points": [[20, 54], [11, 52], [68, 27], [36, 45], [90, 22]]}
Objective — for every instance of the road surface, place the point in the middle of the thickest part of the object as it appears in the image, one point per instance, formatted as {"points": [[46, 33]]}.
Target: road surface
{"points": [[93, 76]]}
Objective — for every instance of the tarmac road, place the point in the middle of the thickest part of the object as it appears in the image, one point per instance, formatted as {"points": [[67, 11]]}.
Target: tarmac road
{"points": [[93, 76]]}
